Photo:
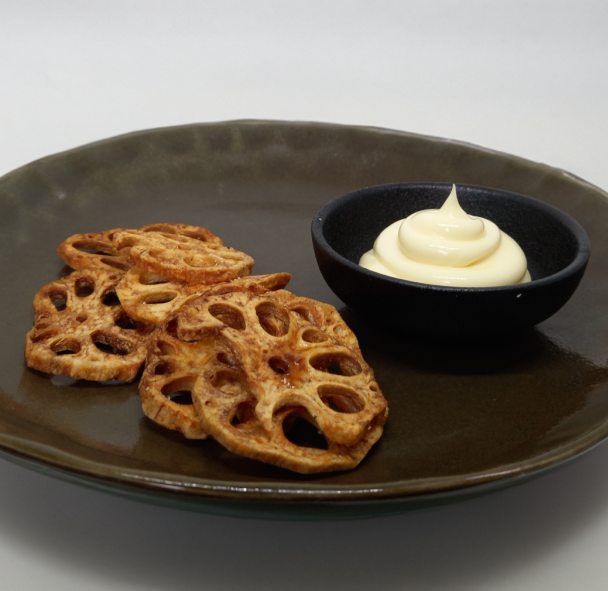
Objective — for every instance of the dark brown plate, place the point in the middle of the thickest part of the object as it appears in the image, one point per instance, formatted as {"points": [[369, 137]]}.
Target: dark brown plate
{"points": [[463, 419]]}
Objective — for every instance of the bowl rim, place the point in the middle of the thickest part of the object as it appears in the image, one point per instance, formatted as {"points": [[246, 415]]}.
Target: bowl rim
{"points": [[579, 233]]}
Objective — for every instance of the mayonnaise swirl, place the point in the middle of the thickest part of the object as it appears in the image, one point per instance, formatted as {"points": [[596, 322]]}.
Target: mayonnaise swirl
{"points": [[447, 246]]}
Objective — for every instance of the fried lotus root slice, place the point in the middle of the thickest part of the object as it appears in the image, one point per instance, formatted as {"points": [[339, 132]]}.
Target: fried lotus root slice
{"points": [[151, 298], [196, 232], [182, 257], [282, 362], [97, 251], [172, 367], [94, 251], [323, 316], [82, 331], [295, 441], [291, 360]]}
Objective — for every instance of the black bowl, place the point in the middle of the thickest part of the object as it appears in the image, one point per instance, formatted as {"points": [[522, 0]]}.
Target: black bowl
{"points": [[556, 246]]}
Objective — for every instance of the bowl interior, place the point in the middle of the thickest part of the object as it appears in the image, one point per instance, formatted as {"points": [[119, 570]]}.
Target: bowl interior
{"points": [[550, 239]]}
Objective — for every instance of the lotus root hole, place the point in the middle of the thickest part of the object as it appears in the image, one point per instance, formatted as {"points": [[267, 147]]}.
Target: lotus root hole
{"points": [[109, 298], [43, 336], [181, 397], [179, 390], [165, 348], [84, 287], [93, 247], [152, 279], [109, 343], [228, 381], [171, 327], [158, 297], [125, 322], [65, 347], [339, 399], [336, 363], [226, 359], [299, 429], [228, 315], [59, 300], [245, 413], [314, 335], [163, 368], [115, 264], [273, 319], [278, 365], [305, 313], [196, 236], [159, 228]]}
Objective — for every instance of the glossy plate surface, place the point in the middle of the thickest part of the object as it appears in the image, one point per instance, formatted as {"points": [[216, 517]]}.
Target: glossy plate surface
{"points": [[463, 419]]}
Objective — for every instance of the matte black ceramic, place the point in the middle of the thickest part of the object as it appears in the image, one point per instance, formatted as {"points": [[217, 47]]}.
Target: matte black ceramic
{"points": [[556, 247], [463, 419]]}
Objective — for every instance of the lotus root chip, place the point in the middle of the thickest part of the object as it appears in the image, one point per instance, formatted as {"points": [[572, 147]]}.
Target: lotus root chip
{"points": [[183, 257], [171, 369], [284, 366], [94, 251], [271, 376], [97, 250], [81, 330], [173, 365], [196, 232], [150, 297]]}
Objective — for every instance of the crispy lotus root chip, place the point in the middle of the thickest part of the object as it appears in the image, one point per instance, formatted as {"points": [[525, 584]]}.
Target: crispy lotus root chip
{"points": [[149, 297], [282, 363], [195, 232], [97, 251], [82, 331], [183, 257], [94, 251], [173, 365]]}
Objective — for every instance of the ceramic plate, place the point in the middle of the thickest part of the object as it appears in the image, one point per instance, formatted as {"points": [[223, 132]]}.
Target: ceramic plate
{"points": [[463, 420]]}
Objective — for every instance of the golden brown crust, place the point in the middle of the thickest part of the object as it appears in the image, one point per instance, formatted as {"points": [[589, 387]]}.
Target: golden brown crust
{"points": [[281, 359], [94, 251], [182, 257], [171, 369], [151, 298], [173, 365], [196, 232], [82, 331]]}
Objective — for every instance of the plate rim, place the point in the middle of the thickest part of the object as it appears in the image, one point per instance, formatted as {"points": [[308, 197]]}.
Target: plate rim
{"points": [[46, 457], [304, 123], [152, 481]]}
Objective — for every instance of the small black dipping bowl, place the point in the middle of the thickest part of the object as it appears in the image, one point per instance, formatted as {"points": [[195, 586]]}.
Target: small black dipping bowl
{"points": [[556, 246]]}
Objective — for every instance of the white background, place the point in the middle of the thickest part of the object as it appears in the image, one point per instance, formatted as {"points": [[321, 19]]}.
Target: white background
{"points": [[524, 77]]}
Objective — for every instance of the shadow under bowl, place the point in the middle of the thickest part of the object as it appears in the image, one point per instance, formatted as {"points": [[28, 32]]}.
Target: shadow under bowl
{"points": [[557, 249]]}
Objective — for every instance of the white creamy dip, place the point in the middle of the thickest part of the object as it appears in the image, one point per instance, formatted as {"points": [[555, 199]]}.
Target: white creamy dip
{"points": [[447, 246]]}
